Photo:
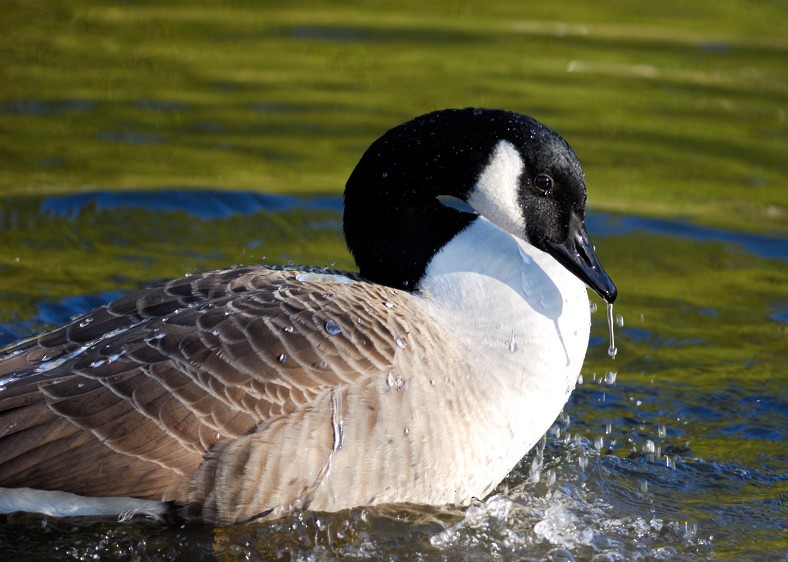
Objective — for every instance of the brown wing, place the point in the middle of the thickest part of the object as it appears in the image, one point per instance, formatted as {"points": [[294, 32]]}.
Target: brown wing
{"points": [[127, 399]]}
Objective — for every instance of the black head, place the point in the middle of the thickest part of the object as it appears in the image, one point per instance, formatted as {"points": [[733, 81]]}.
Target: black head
{"points": [[508, 167]]}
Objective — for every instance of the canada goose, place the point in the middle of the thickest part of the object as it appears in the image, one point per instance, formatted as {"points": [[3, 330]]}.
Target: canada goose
{"points": [[245, 393]]}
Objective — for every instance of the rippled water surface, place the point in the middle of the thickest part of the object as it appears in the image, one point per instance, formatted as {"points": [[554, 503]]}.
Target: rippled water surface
{"points": [[142, 140], [675, 450]]}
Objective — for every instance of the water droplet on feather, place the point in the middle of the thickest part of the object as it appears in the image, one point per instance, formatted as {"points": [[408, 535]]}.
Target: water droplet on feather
{"points": [[395, 381]]}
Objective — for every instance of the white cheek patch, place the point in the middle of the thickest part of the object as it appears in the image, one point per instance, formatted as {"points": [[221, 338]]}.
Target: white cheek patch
{"points": [[495, 194]]}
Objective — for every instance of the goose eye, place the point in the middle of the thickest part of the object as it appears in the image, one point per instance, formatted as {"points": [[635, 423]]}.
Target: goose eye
{"points": [[543, 183]]}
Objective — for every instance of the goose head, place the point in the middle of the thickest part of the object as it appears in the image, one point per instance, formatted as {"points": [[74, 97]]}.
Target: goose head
{"points": [[507, 167]]}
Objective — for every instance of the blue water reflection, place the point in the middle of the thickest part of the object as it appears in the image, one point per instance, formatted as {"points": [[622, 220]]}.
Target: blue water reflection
{"points": [[209, 203]]}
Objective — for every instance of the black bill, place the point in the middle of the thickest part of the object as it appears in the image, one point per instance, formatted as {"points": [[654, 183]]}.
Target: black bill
{"points": [[578, 256]]}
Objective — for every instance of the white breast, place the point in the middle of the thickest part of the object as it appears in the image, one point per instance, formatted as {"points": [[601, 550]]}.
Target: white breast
{"points": [[521, 322]]}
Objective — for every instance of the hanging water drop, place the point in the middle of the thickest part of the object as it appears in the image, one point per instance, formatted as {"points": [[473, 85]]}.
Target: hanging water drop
{"points": [[611, 351]]}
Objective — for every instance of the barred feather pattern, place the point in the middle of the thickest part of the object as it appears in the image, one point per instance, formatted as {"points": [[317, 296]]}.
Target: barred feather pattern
{"points": [[165, 393]]}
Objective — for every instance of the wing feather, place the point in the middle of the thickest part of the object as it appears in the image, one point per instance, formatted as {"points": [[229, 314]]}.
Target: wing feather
{"points": [[159, 380]]}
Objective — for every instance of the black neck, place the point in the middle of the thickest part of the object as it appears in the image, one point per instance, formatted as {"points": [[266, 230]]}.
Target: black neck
{"points": [[393, 245], [394, 223]]}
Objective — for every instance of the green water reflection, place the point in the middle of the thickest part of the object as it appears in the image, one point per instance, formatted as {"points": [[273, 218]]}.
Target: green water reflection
{"points": [[700, 371], [676, 110], [90, 249]]}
